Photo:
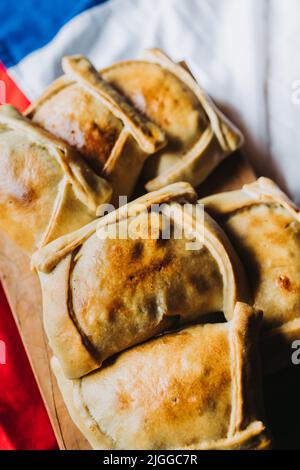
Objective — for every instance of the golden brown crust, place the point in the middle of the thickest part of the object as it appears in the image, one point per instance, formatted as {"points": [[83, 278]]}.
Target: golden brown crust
{"points": [[166, 103], [178, 391], [156, 281], [44, 181], [48, 257], [148, 135], [261, 191], [114, 136], [219, 139], [264, 226]]}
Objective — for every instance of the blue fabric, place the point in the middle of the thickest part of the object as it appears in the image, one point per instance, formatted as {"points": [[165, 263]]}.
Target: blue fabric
{"points": [[27, 25]]}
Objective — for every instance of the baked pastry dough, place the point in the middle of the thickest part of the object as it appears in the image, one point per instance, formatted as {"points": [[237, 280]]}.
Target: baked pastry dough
{"points": [[85, 110], [198, 135], [264, 227], [114, 292], [198, 388], [46, 189]]}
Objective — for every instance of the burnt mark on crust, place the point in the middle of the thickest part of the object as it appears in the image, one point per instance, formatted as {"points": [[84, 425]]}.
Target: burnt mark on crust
{"points": [[114, 308], [200, 283], [160, 242], [124, 400], [137, 250], [24, 197], [155, 266], [284, 282], [287, 285], [86, 339], [98, 144], [106, 136]]}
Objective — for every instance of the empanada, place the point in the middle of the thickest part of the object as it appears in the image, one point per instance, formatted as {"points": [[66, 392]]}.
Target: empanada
{"points": [[85, 110], [264, 227], [114, 292], [198, 388], [198, 135], [46, 189]]}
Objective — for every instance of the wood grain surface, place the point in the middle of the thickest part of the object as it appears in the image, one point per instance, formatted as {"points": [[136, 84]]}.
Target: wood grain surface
{"points": [[24, 296]]}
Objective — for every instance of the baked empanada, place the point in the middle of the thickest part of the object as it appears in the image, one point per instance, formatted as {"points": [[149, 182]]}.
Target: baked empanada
{"points": [[46, 189], [198, 135], [85, 110], [118, 288], [264, 227], [198, 388]]}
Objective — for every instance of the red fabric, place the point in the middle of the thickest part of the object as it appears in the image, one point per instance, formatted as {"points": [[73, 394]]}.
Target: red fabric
{"points": [[13, 94], [24, 423]]}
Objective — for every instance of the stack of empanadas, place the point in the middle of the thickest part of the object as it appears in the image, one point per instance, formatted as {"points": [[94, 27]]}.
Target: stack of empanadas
{"points": [[118, 117], [153, 307]]}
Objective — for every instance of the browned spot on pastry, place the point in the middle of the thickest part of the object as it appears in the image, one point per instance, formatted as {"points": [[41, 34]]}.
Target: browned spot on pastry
{"points": [[79, 127], [200, 283], [137, 250], [24, 197], [284, 282], [98, 143], [211, 404], [161, 241], [145, 271], [277, 237], [174, 400], [113, 309], [192, 395], [123, 400]]}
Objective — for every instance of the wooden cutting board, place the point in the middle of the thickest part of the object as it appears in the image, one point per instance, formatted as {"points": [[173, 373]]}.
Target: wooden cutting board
{"points": [[24, 296]]}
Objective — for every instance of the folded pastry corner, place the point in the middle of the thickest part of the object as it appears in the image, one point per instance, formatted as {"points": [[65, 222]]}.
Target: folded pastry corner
{"points": [[197, 388], [264, 227], [215, 137], [46, 189], [118, 116], [152, 265], [83, 108]]}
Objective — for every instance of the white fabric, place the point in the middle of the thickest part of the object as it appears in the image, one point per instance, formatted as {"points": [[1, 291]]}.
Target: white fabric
{"points": [[244, 52]]}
